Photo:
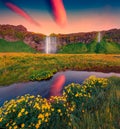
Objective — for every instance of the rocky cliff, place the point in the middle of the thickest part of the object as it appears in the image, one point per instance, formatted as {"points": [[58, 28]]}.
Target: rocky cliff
{"points": [[37, 41], [15, 33], [112, 35], [86, 38]]}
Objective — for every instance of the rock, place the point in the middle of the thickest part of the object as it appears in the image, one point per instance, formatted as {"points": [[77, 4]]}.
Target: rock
{"points": [[13, 33]]}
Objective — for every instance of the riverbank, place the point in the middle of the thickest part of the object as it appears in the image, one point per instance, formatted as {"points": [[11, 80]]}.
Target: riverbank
{"points": [[22, 67]]}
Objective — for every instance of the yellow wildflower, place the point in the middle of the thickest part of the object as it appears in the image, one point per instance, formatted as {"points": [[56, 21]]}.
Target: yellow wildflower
{"points": [[52, 109], [76, 95], [22, 125], [39, 122], [19, 115], [47, 114], [14, 123], [22, 110], [40, 116], [15, 127], [46, 120], [59, 110], [37, 126], [6, 113], [1, 119], [26, 112]]}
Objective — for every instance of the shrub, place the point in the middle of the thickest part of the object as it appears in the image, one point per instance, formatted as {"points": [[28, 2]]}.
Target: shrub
{"points": [[40, 75], [25, 112], [87, 96]]}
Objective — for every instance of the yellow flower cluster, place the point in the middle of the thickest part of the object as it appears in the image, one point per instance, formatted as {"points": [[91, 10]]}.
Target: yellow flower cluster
{"points": [[40, 112], [21, 107], [93, 81]]}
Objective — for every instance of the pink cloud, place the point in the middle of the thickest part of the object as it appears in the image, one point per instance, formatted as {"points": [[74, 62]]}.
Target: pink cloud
{"points": [[59, 12], [21, 12]]}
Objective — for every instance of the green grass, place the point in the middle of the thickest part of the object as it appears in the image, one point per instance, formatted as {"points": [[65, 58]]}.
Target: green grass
{"points": [[20, 67], [18, 46], [108, 115], [93, 47]]}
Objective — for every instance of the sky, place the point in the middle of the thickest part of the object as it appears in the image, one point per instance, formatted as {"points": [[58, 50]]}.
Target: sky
{"points": [[61, 16]]}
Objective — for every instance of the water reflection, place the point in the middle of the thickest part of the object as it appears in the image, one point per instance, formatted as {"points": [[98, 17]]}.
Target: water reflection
{"points": [[57, 86], [49, 87]]}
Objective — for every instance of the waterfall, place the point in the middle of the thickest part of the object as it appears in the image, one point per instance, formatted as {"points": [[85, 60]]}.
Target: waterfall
{"points": [[50, 45], [99, 37], [47, 44]]}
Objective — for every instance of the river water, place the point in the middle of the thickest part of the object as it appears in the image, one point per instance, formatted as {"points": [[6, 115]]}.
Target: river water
{"points": [[43, 87]]}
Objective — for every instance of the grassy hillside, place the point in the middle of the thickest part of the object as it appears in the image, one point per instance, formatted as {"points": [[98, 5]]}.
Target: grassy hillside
{"points": [[18, 46], [79, 48]]}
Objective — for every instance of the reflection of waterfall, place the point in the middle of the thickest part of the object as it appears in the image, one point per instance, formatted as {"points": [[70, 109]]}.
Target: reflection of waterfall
{"points": [[50, 44], [99, 37]]}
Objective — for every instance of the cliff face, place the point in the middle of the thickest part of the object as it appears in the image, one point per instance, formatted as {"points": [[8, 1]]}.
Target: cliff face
{"points": [[12, 33], [109, 36], [112, 35], [37, 41], [86, 38], [15, 33]]}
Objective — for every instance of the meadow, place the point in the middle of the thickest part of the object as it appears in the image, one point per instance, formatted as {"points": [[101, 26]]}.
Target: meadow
{"points": [[21, 67]]}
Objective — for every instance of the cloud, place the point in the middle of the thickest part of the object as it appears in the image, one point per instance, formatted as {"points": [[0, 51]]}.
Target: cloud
{"points": [[59, 12], [20, 12]]}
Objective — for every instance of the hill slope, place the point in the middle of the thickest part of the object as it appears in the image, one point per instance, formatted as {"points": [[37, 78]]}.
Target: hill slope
{"points": [[18, 46], [79, 48]]}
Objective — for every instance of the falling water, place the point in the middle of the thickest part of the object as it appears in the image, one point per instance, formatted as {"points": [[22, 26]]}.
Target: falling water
{"points": [[47, 44], [99, 37], [50, 45]]}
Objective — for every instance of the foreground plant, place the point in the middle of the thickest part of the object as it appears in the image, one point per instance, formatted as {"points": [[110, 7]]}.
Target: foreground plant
{"points": [[87, 96], [68, 111], [25, 112]]}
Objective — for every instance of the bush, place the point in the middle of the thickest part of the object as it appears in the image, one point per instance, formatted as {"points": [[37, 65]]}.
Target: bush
{"points": [[25, 112], [88, 96], [40, 75]]}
